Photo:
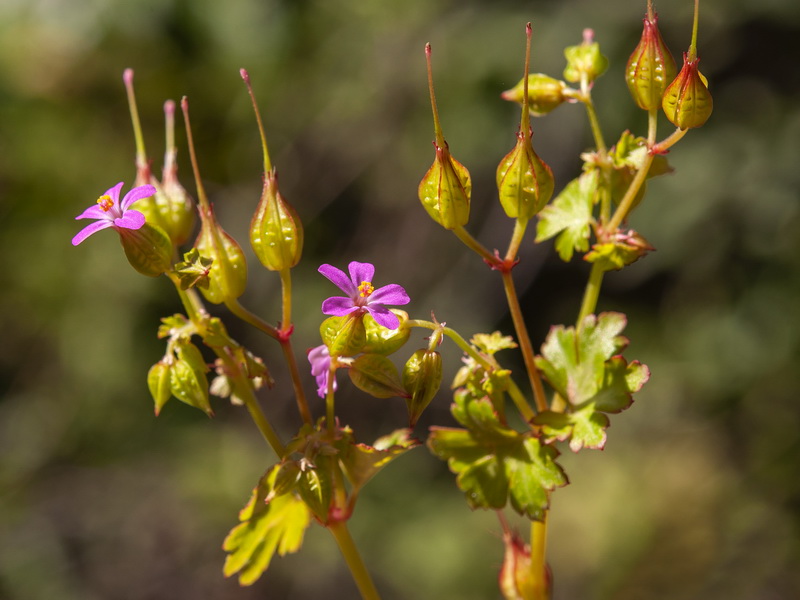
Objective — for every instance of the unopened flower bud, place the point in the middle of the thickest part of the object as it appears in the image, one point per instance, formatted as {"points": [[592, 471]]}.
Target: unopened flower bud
{"points": [[158, 382], [687, 101], [625, 247], [650, 67], [517, 579], [227, 276], [276, 232], [544, 93], [188, 381], [422, 377], [585, 60], [148, 249]]}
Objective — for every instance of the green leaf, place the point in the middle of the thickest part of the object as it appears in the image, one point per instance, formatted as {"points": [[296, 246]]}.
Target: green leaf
{"points": [[174, 326], [613, 256], [584, 428], [585, 368], [315, 486], [266, 527], [193, 270], [361, 461], [570, 216], [495, 465], [573, 365], [492, 343]]}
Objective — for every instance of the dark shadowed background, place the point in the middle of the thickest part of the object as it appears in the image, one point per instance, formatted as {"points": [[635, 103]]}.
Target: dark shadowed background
{"points": [[697, 494]]}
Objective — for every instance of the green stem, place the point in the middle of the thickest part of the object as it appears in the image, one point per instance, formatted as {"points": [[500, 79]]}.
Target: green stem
{"points": [[198, 315], [286, 347], [693, 46], [520, 226], [630, 195], [474, 245], [286, 299], [524, 342], [248, 317], [670, 141], [538, 562], [594, 123], [245, 392], [354, 561], [591, 294]]}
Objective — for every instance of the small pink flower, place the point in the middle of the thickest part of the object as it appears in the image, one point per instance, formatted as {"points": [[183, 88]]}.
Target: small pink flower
{"points": [[362, 296], [110, 212], [320, 361]]}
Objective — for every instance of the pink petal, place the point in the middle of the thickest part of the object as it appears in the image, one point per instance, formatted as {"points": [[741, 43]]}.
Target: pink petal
{"points": [[132, 219], [338, 306], [90, 229], [114, 192], [361, 272], [136, 194], [389, 294], [383, 316], [93, 212], [339, 279]]}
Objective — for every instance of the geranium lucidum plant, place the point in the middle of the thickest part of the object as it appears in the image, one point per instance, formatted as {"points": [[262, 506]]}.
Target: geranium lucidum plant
{"points": [[565, 393]]}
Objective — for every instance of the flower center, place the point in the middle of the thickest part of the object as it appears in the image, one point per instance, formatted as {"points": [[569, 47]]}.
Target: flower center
{"points": [[105, 202], [365, 289]]}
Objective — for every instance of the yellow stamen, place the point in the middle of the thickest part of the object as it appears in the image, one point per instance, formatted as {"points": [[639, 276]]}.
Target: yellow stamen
{"points": [[105, 202], [365, 289]]}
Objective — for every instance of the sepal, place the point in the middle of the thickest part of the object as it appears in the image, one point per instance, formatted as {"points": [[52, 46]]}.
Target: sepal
{"points": [[148, 249]]}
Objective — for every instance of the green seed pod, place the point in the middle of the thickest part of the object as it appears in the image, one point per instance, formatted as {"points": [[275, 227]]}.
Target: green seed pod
{"points": [[422, 377], [344, 336], [524, 181], [650, 67], [382, 340], [149, 249], [276, 232], [377, 376], [188, 377], [544, 93], [227, 277], [158, 382], [687, 101], [445, 190], [585, 60]]}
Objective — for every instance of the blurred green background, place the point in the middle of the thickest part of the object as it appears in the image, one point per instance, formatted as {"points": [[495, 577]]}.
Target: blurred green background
{"points": [[697, 494]]}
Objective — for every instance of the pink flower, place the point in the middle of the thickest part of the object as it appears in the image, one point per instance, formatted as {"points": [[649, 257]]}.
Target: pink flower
{"points": [[110, 212], [320, 361], [362, 295]]}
